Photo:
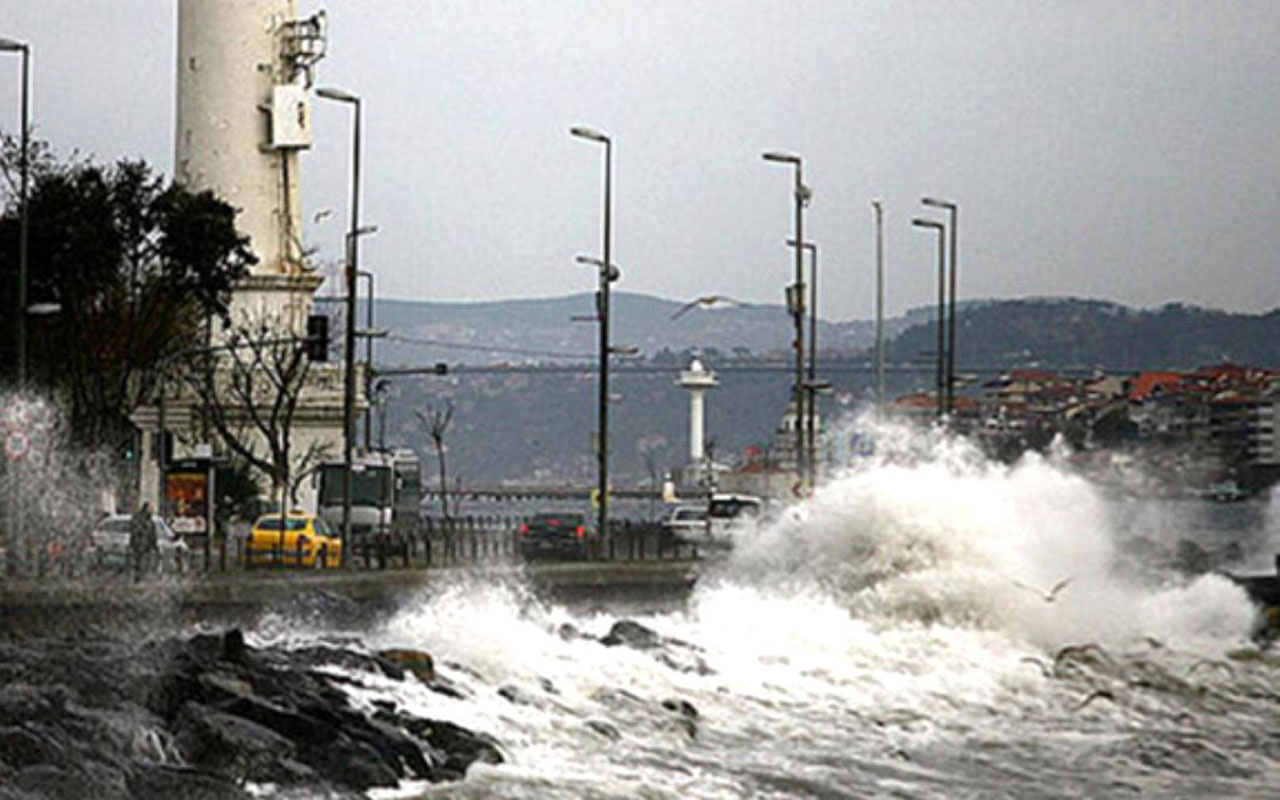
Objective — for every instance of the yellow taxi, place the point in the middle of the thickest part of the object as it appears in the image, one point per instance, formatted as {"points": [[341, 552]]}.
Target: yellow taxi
{"points": [[295, 539]]}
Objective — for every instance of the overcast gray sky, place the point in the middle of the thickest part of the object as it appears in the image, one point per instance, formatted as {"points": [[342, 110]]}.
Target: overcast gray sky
{"points": [[1124, 150]]}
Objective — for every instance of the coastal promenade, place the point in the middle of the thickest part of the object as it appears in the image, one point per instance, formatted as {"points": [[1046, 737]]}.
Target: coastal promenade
{"points": [[341, 597]]}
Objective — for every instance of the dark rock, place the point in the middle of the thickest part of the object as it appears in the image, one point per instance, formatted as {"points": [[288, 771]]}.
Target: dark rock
{"points": [[461, 747], [225, 744], [674, 653], [682, 707], [324, 654], [603, 728], [195, 718], [26, 745], [632, 634], [284, 721], [23, 702], [162, 782], [233, 647], [55, 781], [349, 763]]}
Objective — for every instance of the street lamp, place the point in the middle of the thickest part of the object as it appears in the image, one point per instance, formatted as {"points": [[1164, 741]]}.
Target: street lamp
{"points": [[795, 298], [942, 269], [810, 397], [24, 168], [349, 340], [608, 274], [952, 211], [368, 357], [879, 209]]}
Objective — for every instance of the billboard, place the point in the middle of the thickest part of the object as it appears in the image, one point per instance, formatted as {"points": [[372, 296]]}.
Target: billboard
{"points": [[186, 497]]}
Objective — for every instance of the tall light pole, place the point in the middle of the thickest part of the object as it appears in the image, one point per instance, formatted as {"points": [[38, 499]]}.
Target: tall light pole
{"points": [[879, 209], [795, 299], [24, 169], [607, 276], [942, 285], [349, 339], [810, 394], [953, 212], [368, 358]]}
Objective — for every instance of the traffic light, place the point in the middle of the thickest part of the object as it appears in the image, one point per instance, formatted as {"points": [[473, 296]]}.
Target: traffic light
{"points": [[318, 337]]}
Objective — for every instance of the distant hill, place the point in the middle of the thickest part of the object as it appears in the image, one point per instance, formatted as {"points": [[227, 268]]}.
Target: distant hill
{"points": [[542, 330], [1069, 333], [517, 426]]}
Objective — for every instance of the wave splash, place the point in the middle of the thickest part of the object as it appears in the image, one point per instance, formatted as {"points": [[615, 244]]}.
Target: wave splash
{"points": [[928, 531]]}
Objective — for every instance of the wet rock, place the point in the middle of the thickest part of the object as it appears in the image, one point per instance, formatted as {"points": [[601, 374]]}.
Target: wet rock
{"points": [[416, 662], [459, 747], [674, 653], [27, 745], [682, 707], [632, 634], [686, 716], [48, 780], [24, 702], [196, 718], [225, 744], [163, 782]]}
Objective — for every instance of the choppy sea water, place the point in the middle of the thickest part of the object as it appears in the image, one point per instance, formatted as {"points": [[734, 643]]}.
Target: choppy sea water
{"points": [[889, 638]]}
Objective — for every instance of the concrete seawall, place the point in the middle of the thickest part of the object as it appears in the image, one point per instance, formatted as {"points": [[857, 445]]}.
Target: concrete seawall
{"points": [[343, 598]]}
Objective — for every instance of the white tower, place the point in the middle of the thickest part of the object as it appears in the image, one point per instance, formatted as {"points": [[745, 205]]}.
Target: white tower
{"points": [[243, 114], [697, 380]]}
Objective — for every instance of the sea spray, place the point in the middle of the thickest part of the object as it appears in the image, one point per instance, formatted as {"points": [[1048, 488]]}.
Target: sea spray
{"points": [[897, 633], [53, 489]]}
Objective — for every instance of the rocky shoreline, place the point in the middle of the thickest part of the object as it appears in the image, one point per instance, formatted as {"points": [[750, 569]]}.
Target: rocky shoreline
{"points": [[209, 716]]}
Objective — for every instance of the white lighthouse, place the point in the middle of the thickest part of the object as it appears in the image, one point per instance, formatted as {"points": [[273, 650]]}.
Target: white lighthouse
{"points": [[697, 380], [243, 116]]}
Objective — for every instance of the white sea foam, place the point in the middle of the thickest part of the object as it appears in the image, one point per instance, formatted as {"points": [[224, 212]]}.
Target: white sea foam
{"points": [[882, 616]]}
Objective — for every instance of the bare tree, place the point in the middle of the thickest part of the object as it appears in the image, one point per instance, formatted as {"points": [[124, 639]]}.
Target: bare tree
{"points": [[249, 389], [436, 422]]}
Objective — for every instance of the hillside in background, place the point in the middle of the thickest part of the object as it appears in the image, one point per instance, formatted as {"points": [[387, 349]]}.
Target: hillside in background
{"points": [[520, 426], [541, 330]]}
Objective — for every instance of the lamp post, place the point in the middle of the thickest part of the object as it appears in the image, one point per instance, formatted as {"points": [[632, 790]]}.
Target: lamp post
{"points": [[24, 169], [879, 209], [811, 377], [795, 298], [942, 269], [349, 339], [952, 212], [608, 274], [368, 357]]}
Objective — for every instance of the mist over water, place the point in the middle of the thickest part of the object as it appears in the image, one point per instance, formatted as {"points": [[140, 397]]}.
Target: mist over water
{"points": [[889, 637]]}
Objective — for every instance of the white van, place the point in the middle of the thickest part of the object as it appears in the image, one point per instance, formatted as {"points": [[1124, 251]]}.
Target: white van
{"points": [[728, 514]]}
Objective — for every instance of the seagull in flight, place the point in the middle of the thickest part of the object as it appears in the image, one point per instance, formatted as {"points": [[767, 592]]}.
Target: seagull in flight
{"points": [[1048, 596], [708, 300]]}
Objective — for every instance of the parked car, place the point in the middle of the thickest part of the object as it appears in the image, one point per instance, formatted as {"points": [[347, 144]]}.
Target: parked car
{"points": [[687, 523], [555, 534], [729, 515], [295, 539], [108, 548]]}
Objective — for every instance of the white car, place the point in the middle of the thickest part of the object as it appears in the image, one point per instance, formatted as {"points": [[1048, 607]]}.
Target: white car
{"points": [[687, 523], [109, 545]]}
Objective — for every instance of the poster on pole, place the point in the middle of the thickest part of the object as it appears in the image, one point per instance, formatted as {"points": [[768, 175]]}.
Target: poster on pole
{"points": [[186, 497]]}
